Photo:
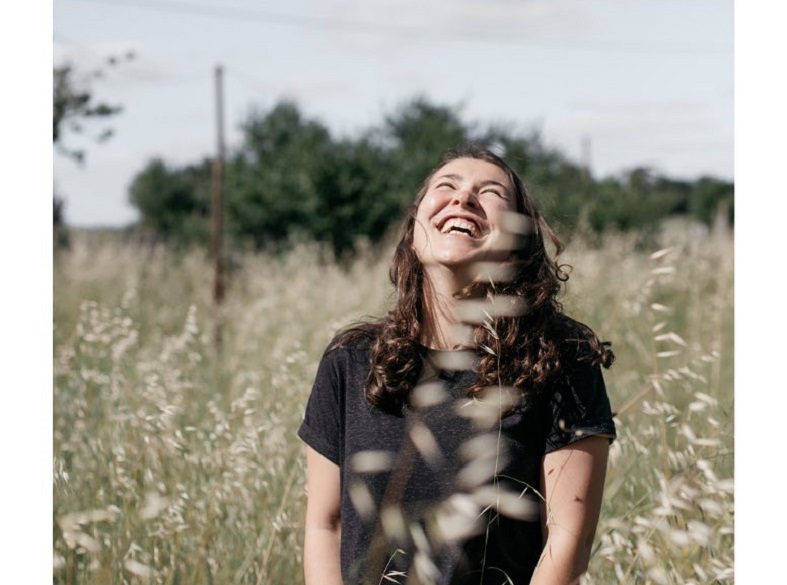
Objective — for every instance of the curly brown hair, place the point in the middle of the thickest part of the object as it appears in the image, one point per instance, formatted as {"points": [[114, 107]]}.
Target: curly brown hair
{"points": [[529, 349]]}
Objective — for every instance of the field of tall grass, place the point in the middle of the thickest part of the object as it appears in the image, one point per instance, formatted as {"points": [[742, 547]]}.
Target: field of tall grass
{"points": [[178, 463]]}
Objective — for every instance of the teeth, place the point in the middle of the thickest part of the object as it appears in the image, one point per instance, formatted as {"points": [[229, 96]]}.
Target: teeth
{"points": [[456, 222]]}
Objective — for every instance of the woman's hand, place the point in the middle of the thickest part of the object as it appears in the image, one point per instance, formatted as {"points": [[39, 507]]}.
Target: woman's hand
{"points": [[572, 483], [321, 561]]}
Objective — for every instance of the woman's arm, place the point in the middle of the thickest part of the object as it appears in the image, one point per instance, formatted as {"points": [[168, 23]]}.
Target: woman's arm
{"points": [[321, 561], [572, 483]]}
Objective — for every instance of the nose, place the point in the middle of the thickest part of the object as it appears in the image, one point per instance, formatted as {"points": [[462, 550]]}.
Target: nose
{"points": [[465, 198]]}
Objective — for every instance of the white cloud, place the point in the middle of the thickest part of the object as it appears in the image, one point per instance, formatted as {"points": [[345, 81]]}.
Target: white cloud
{"points": [[399, 23]]}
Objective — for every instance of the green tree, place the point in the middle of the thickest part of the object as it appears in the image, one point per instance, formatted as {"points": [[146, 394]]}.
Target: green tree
{"points": [[273, 180], [356, 200], [290, 180], [711, 196], [631, 201], [174, 203]]}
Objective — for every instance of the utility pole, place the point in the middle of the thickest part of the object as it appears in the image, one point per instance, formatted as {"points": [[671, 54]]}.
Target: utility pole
{"points": [[217, 211]]}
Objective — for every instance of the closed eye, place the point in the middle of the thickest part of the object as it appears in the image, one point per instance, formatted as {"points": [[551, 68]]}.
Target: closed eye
{"points": [[497, 192]]}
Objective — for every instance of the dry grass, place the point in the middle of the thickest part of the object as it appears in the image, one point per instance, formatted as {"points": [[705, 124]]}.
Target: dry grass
{"points": [[174, 464]]}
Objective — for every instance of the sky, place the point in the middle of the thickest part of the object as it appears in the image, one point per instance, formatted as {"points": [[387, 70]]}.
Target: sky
{"points": [[644, 83]]}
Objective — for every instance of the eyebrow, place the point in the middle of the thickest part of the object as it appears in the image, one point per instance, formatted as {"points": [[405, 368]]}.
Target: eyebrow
{"points": [[456, 177]]}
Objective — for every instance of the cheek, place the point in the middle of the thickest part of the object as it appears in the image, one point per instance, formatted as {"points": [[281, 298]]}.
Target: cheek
{"points": [[509, 205], [427, 206]]}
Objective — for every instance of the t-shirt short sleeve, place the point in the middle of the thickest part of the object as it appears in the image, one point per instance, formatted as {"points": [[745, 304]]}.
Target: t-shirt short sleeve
{"points": [[322, 426], [578, 408]]}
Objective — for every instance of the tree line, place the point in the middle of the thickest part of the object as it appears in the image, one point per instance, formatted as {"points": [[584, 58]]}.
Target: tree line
{"points": [[291, 179]]}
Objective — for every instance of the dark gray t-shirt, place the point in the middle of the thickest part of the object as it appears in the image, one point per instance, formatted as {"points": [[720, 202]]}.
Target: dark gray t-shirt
{"points": [[443, 486]]}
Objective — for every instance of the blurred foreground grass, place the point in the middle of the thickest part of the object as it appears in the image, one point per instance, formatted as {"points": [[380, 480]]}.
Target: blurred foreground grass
{"points": [[174, 464]]}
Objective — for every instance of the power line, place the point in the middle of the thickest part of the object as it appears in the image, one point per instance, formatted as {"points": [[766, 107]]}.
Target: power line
{"points": [[410, 33]]}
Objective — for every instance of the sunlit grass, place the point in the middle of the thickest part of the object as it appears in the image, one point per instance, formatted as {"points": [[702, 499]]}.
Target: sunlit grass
{"points": [[175, 463]]}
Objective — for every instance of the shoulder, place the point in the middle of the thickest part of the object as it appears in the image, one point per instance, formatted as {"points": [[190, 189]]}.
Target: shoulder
{"points": [[577, 403], [349, 349], [351, 340], [579, 346]]}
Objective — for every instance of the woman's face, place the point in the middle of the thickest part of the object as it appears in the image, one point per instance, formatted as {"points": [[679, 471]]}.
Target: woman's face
{"points": [[462, 216]]}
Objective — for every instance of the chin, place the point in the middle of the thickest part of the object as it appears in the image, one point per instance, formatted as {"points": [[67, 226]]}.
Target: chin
{"points": [[456, 260]]}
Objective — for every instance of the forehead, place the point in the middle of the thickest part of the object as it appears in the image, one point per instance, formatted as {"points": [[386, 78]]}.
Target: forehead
{"points": [[474, 170]]}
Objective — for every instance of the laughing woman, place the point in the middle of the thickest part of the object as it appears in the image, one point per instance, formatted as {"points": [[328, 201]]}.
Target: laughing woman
{"points": [[462, 438]]}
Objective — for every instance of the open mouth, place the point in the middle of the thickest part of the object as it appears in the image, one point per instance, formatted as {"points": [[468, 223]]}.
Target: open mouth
{"points": [[458, 225]]}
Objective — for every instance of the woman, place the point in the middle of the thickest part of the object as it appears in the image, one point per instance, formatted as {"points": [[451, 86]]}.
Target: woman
{"points": [[463, 438]]}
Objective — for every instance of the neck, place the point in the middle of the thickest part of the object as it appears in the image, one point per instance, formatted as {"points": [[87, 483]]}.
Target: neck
{"points": [[442, 329]]}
